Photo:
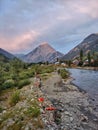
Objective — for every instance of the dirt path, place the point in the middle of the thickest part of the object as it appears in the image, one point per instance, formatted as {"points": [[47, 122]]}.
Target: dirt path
{"points": [[76, 113], [52, 83]]}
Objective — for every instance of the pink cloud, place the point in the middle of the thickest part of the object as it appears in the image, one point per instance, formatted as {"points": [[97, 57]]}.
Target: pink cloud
{"points": [[18, 43], [90, 8]]}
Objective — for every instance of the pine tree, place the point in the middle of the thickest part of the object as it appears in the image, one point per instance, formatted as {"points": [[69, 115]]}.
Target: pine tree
{"points": [[81, 55], [89, 58]]}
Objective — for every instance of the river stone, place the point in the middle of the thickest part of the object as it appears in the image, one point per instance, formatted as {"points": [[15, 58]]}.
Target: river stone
{"points": [[71, 119], [67, 113], [84, 118]]}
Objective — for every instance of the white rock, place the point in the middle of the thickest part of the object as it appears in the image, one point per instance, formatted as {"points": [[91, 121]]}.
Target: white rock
{"points": [[4, 111], [71, 119], [67, 113]]}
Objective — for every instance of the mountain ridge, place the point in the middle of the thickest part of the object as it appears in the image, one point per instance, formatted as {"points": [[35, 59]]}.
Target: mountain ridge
{"points": [[6, 54], [90, 43]]}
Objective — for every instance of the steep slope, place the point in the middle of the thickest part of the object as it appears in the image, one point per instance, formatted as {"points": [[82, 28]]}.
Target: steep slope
{"points": [[42, 53], [90, 43], [3, 59], [6, 54]]}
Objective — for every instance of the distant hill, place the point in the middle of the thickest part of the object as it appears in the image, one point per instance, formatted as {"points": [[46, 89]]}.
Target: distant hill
{"points": [[6, 54], [90, 43], [42, 53], [3, 59], [19, 55]]}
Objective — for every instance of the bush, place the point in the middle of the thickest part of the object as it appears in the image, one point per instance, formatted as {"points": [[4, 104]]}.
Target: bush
{"points": [[46, 69], [63, 73], [22, 83], [26, 74], [14, 98], [23, 75], [8, 84]]}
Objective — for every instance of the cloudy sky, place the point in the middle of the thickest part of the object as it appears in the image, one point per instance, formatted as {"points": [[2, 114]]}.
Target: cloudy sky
{"points": [[24, 24]]}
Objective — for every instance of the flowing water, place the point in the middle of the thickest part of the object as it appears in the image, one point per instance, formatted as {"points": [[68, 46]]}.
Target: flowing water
{"points": [[86, 80]]}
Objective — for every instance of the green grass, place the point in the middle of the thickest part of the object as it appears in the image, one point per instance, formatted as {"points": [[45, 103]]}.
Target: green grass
{"points": [[15, 97], [33, 111]]}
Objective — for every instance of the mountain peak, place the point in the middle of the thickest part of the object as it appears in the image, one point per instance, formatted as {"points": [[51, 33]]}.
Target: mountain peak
{"points": [[91, 37], [44, 43], [44, 52], [45, 48]]}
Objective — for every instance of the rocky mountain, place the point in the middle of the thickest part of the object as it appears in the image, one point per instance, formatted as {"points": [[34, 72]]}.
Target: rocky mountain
{"points": [[90, 43], [6, 54], [42, 53]]}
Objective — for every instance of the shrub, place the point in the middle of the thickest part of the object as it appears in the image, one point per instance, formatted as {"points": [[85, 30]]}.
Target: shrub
{"points": [[63, 73], [8, 84], [22, 83], [47, 69], [14, 98], [23, 75]]}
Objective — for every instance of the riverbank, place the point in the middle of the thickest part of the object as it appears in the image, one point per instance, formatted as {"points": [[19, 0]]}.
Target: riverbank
{"points": [[71, 108], [87, 68], [75, 110]]}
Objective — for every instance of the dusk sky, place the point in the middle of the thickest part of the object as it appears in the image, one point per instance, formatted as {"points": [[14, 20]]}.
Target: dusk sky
{"points": [[25, 24]]}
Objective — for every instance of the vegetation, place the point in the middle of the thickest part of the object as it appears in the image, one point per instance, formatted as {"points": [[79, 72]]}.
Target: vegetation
{"points": [[23, 83], [33, 111], [89, 59], [16, 73], [1, 109], [81, 55], [64, 73], [14, 98]]}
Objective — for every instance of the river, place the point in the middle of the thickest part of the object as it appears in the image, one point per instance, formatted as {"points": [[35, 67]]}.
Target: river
{"points": [[86, 80]]}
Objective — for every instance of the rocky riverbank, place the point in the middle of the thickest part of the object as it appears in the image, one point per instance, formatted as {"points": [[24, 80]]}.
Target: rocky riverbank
{"points": [[74, 108]]}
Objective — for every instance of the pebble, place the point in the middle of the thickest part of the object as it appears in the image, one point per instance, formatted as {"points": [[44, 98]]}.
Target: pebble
{"points": [[67, 113], [95, 119], [4, 111], [27, 128], [71, 119], [84, 118]]}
